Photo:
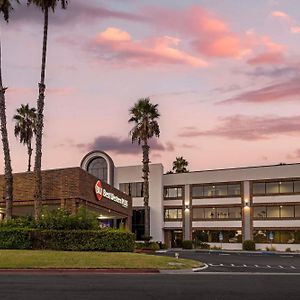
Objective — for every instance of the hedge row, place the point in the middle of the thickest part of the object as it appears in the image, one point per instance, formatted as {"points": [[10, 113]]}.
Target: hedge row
{"points": [[75, 240]]}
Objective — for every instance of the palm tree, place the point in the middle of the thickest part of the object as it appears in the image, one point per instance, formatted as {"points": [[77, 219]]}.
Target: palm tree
{"points": [[45, 6], [25, 128], [179, 165], [5, 8], [144, 115]]}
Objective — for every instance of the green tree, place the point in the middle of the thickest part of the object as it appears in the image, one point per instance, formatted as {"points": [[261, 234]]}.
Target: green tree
{"points": [[45, 6], [179, 165], [5, 9], [25, 128], [144, 116]]}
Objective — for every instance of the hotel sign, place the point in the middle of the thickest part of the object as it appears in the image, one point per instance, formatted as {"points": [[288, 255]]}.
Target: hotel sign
{"points": [[102, 192]]}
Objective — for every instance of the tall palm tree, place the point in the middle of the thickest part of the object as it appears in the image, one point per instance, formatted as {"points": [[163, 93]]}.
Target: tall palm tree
{"points": [[144, 116], [25, 128], [179, 165], [5, 8], [45, 6]]}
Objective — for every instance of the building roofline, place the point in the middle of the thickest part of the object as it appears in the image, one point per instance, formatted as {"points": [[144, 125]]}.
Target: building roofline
{"points": [[236, 168]]}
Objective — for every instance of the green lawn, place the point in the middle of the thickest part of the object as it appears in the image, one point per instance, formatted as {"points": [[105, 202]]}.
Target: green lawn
{"points": [[21, 259]]}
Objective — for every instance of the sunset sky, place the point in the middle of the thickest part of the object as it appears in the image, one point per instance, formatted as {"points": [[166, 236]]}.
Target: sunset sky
{"points": [[224, 73]]}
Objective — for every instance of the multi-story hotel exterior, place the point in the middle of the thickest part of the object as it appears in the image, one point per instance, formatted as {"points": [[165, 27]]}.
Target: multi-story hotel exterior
{"points": [[224, 205]]}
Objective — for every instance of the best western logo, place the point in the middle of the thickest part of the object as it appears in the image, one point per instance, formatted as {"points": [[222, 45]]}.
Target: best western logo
{"points": [[101, 192]]}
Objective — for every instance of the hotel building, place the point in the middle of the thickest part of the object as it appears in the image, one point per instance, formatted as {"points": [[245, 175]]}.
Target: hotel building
{"points": [[215, 206], [222, 206]]}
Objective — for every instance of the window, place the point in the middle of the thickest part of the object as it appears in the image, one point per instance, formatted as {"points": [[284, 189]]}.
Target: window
{"points": [[279, 236], [133, 189], [234, 189], [173, 213], [286, 187], [297, 186], [198, 213], [208, 213], [272, 188], [216, 190], [138, 223], [222, 213], [173, 192], [286, 211], [278, 211], [260, 212], [297, 211], [197, 191], [276, 187], [98, 168], [273, 212], [235, 213], [259, 188]]}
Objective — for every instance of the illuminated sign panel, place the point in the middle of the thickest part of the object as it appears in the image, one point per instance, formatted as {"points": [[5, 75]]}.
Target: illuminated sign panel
{"points": [[102, 192]]}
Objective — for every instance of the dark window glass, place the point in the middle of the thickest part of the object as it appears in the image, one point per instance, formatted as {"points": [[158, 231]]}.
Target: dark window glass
{"points": [[173, 192], [138, 223], [210, 213], [221, 190], [222, 213], [198, 213], [286, 211], [273, 212], [133, 189], [272, 187], [234, 189], [235, 213], [286, 187], [297, 186], [98, 168], [260, 212], [259, 188], [197, 191], [297, 211], [209, 190]]}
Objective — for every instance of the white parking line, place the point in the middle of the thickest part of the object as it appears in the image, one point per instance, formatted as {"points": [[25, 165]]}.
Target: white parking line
{"points": [[224, 254], [257, 266], [293, 267], [281, 267], [269, 266]]}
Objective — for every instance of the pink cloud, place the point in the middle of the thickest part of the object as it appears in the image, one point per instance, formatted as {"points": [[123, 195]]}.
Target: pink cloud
{"points": [[272, 54], [288, 90], [211, 36], [267, 58], [250, 128], [118, 45], [294, 155], [293, 26]]}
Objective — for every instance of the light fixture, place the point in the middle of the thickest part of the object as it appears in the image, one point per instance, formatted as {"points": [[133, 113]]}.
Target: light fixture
{"points": [[187, 208]]}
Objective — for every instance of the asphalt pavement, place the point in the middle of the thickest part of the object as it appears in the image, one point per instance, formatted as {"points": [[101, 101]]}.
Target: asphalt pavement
{"points": [[149, 286], [219, 261]]}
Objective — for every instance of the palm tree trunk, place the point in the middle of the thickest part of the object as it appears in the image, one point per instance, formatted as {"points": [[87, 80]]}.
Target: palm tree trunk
{"points": [[29, 156], [5, 143], [146, 148], [39, 126]]}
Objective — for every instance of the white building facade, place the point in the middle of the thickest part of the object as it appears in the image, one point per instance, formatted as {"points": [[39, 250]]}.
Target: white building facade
{"points": [[214, 206]]}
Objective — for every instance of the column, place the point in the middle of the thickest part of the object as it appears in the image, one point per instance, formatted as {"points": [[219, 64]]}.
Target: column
{"points": [[246, 208], [186, 218]]}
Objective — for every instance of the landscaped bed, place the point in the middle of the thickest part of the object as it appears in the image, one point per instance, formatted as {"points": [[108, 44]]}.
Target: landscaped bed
{"points": [[47, 259]]}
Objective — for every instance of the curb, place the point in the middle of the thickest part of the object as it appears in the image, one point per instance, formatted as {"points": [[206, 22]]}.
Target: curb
{"points": [[200, 269]]}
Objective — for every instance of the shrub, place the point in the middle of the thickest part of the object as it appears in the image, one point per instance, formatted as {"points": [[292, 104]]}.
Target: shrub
{"points": [[163, 246], [20, 222], [76, 240], [147, 246], [187, 244], [15, 238], [288, 250], [62, 219], [215, 248], [249, 245]]}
